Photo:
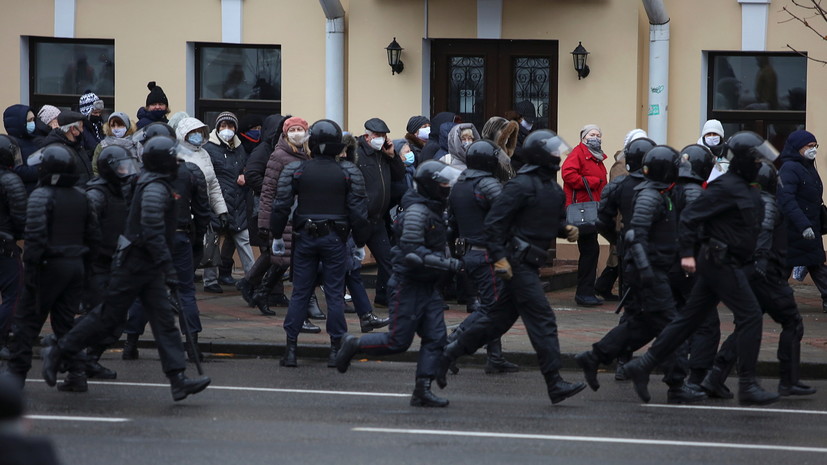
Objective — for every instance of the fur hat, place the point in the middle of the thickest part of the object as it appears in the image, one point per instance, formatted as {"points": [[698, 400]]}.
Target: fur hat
{"points": [[714, 126], [502, 132], [48, 113], [226, 116], [156, 94], [88, 102], [415, 123], [294, 121]]}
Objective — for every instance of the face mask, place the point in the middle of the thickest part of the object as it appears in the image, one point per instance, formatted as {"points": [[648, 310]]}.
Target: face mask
{"points": [[95, 118], [30, 127], [810, 154], [226, 134], [466, 144], [712, 141], [409, 158], [593, 143], [377, 143], [254, 134], [297, 138], [424, 133], [119, 132], [158, 115], [526, 125], [195, 139]]}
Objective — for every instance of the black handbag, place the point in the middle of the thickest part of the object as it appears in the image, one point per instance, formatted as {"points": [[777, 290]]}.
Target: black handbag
{"points": [[212, 250], [823, 218], [583, 214]]}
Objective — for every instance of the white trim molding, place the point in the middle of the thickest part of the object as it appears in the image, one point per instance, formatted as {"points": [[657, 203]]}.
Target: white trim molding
{"points": [[65, 11], [489, 19], [754, 18], [231, 21]]}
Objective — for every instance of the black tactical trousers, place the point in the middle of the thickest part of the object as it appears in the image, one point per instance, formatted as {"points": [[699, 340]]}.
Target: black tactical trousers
{"points": [[717, 282], [522, 297], [699, 350]]}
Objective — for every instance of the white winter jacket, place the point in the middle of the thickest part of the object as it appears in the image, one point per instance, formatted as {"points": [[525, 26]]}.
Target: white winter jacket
{"points": [[200, 157]]}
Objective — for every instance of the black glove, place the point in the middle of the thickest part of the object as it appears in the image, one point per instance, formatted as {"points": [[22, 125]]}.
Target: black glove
{"points": [[224, 222], [761, 266], [264, 235]]}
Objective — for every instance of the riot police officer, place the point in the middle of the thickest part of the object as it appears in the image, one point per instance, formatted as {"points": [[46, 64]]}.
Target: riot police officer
{"points": [[62, 236], [651, 247], [768, 281], [519, 228], [415, 305], [143, 250], [725, 220], [12, 222], [471, 197], [330, 201]]}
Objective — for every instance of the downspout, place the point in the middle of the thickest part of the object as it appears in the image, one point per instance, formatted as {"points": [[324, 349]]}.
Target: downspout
{"points": [[334, 79], [658, 119]]}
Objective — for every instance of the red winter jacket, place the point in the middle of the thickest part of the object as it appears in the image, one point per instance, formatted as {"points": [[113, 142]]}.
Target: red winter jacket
{"points": [[578, 164]]}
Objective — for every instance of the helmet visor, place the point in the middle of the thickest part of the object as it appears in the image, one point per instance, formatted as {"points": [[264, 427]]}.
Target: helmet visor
{"points": [[447, 175], [766, 151], [17, 157], [125, 167], [35, 158], [556, 146]]}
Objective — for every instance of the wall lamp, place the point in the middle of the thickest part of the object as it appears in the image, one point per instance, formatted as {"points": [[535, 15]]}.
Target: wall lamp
{"points": [[580, 54], [394, 52]]}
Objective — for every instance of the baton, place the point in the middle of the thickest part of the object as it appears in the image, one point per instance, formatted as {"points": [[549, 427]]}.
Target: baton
{"points": [[176, 306], [623, 300]]}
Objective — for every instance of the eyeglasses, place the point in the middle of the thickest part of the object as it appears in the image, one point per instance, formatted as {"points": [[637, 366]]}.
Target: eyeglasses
{"points": [[812, 145]]}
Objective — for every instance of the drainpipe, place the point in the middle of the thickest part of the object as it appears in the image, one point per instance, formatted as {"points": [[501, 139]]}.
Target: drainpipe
{"points": [[334, 79], [658, 120]]}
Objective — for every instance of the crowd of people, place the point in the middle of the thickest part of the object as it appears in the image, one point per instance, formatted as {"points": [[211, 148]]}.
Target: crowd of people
{"points": [[447, 211]]}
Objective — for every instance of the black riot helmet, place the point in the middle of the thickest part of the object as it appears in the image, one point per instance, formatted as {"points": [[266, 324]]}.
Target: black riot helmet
{"points": [[745, 150], [483, 155], [634, 152], [116, 165], [161, 155], [57, 166], [660, 166], [544, 148], [326, 139], [767, 177], [698, 162], [10, 156], [434, 179], [151, 130]]}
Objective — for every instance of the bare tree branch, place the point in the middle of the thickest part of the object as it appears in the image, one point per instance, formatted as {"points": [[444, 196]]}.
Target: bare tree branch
{"points": [[823, 62], [805, 22]]}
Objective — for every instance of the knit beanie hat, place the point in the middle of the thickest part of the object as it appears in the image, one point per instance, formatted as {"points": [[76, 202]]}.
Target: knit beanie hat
{"points": [[634, 134], [799, 139], [250, 120], [588, 128], [714, 126], [121, 116], [526, 109], [415, 123], [48, 113], [294, 121], [156, 94], [228, 117], [88, 102]]}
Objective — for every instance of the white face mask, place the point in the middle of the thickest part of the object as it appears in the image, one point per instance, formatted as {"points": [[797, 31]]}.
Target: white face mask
{"points": [[712, 141], [526, 125], [297, 137], [377, 143], [226, 134], [810, 154], [119, 132], [424, 133]]}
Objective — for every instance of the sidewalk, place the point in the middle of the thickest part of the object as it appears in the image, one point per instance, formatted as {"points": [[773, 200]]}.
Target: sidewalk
{"points": [[232, 328]]}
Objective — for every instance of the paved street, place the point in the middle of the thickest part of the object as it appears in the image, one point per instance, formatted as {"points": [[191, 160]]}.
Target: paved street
{"points": [[259, 413]]}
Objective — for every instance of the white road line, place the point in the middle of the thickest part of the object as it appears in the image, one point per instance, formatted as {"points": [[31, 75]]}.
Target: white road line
{"points": [[68, 418], [739, 409], [545, 437], [251, 389]]}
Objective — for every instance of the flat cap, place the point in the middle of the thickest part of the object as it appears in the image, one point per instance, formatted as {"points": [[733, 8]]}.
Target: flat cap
{"points": [[376, 125]]}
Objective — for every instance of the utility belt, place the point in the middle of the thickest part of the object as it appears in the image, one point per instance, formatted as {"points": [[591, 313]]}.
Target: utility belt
{"points": [[528, 253], [462, 247], [718, 253], [8, 248], [184, 228], [321, 228]]}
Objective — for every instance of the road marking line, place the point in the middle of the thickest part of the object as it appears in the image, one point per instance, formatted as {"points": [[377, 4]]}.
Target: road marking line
{"points": [[739, 409], [654, 442], [68, 418], [252, 389]]}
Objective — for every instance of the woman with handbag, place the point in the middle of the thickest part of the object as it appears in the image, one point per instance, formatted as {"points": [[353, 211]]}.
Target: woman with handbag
{"points": [[799, 197], [584, 176]]}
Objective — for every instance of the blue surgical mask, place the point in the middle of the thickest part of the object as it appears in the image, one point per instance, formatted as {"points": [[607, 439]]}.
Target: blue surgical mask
{"points": [[196, 139], [409, 158], [30, 127], [254, 134]]}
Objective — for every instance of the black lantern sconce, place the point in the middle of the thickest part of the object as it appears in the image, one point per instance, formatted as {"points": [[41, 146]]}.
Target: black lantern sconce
{"points": [[394, 52], [580, 54]]}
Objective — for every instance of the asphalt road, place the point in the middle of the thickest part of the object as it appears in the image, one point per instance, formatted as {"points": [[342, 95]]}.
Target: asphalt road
{"points": [[256, 412]]}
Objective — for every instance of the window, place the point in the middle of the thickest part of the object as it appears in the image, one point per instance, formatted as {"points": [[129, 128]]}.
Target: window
{"points": [[238, 78], [761, 92], [61, 70]]}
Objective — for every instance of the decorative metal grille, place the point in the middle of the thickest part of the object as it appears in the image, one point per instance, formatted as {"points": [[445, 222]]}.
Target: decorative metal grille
{"points": [[531, 82], [466, 91]]}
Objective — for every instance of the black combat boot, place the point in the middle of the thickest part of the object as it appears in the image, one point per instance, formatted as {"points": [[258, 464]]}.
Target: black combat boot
{"points": [[94, 369], [246, 289], [620, 372], [261, 296], [423, 397], [560, 390], [197, 355], [75, 381], [751, 393], [684, 394], [370, 322], [450, 354], [309, 328], [182, 386], [473, 305], [588, 362], [51, 356], [638, 371], [335, 345], [796, 389], [714, 383], [313, 310], [130, 347], [496, 362], [696, 377], [289, 358], [348, 348]]}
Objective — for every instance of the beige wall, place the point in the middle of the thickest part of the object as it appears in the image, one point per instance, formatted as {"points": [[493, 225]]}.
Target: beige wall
{"points": [[35, 17]]}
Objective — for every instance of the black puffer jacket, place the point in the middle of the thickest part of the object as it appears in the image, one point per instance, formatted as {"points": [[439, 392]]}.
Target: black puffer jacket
{"points": [[421, 229], [12, 205], [14, 119], [257, 161], [83, 163], [379, 171], [228, 163], [799, 196]]}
